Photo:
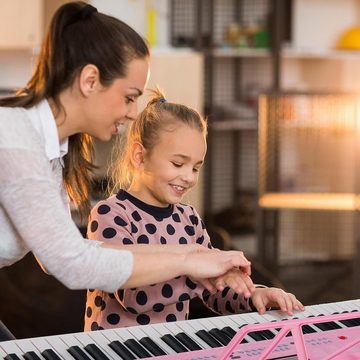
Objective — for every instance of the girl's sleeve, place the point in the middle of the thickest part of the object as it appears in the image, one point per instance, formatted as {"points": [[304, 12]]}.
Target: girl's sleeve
{"points": [[223, 302], [36, 220]]}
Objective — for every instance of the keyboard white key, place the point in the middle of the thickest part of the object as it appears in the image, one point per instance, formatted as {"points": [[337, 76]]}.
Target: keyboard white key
{"points": [[59, 346], [11, 347], [26, 345], [2, 353]]}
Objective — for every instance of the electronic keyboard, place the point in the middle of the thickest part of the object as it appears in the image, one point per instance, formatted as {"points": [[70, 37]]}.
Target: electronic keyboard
{"points": [[243, 336]]}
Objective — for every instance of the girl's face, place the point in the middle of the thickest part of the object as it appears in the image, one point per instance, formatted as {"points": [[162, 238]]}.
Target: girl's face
{"points": [[111, 107], [172, 167]]}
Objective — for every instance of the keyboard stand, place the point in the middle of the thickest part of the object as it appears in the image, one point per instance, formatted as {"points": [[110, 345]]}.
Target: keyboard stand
{"points": [[295, 326]]}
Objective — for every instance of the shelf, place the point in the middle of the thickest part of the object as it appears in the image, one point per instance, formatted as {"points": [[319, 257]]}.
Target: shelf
{"points": [[310, 201], [287, 53], [240, 52], [226, 125], [326, 54]]}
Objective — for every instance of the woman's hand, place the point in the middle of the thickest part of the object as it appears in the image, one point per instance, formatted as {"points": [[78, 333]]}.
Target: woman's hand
{"points": [[206, 264], [274, 297]]}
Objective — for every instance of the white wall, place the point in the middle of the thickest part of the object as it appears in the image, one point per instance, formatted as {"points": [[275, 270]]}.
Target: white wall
{"points": [[317, 24], [134, 13], [15, 68]]}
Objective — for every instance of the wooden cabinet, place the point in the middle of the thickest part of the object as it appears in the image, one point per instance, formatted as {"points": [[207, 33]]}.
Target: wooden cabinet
{"points": [[21, 23]]}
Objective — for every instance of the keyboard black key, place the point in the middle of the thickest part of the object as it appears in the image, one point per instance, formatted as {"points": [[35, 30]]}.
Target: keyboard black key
{"points": [[136, 348], [78, 353], [326, 326], [231, 333], [11, 357], [95, 352], [188, 341], [350, 322], [121, 350], [257, 335], [209, 339], [175, 344], [220, 336], [31, 355], [268, 334], [154, 348], [306, 329], [50, 354]]}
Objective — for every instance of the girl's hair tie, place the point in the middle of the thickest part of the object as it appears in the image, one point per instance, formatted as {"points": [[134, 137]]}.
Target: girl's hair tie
{"points": [[162, 100]]}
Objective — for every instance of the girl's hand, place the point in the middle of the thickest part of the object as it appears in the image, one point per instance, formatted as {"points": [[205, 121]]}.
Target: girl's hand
{"points": [[274, 297], [237, 280]]}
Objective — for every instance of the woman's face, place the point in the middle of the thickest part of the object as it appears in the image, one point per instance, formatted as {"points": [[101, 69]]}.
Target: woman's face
{"points": [[112, 106]]}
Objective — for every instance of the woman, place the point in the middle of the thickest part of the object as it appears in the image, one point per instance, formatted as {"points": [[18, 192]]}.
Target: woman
{"points": [[90, 72]]}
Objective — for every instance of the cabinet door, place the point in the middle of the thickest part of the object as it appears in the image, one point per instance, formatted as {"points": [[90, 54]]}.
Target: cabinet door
{"points": [[21, 23]]}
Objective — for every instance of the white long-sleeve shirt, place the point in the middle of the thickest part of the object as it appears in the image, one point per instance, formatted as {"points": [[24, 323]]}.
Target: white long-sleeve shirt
{"points": [[33, 216]]}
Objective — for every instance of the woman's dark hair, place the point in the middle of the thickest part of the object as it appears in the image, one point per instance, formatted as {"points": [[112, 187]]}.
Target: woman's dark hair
{"points": [[79, 35]]}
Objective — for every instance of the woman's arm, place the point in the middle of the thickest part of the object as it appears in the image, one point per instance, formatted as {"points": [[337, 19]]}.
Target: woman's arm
{"points": [[149, 269]]}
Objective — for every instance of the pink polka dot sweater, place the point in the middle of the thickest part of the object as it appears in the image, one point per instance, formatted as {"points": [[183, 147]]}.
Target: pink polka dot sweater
{"points": [[126, 220]]}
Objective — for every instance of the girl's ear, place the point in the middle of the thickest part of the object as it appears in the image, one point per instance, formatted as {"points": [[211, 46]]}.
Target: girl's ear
{"points": [[89, 79], [137, 155]]}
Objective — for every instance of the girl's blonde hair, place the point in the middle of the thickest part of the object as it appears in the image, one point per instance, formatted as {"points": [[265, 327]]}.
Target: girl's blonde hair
{"points": [[157, 115]]}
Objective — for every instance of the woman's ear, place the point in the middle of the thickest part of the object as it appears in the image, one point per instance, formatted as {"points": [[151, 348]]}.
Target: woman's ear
{"points": [[89, 79], [138, 153]]}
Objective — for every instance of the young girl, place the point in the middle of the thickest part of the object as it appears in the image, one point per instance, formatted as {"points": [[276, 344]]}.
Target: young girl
{"points": [[165, 152]]}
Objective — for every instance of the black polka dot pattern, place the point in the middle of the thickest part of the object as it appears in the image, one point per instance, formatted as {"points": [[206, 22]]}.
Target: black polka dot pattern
{"points": [[134, 229], [158, 307], [190, 230], [113, 319], [103, 209], [167, 291], [228, 307], [94, 226], [180, 306], [170, 230], [183, 240], [176, 218], [109, 233], [143, 239], [136, 216], [123, 221], [194, 219], [184, 297], [143, 319], [170, 318], [127, 241], [225, 292], [200, 240], [141, 298], [190, 284], [150, 228], [119, 221]]}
